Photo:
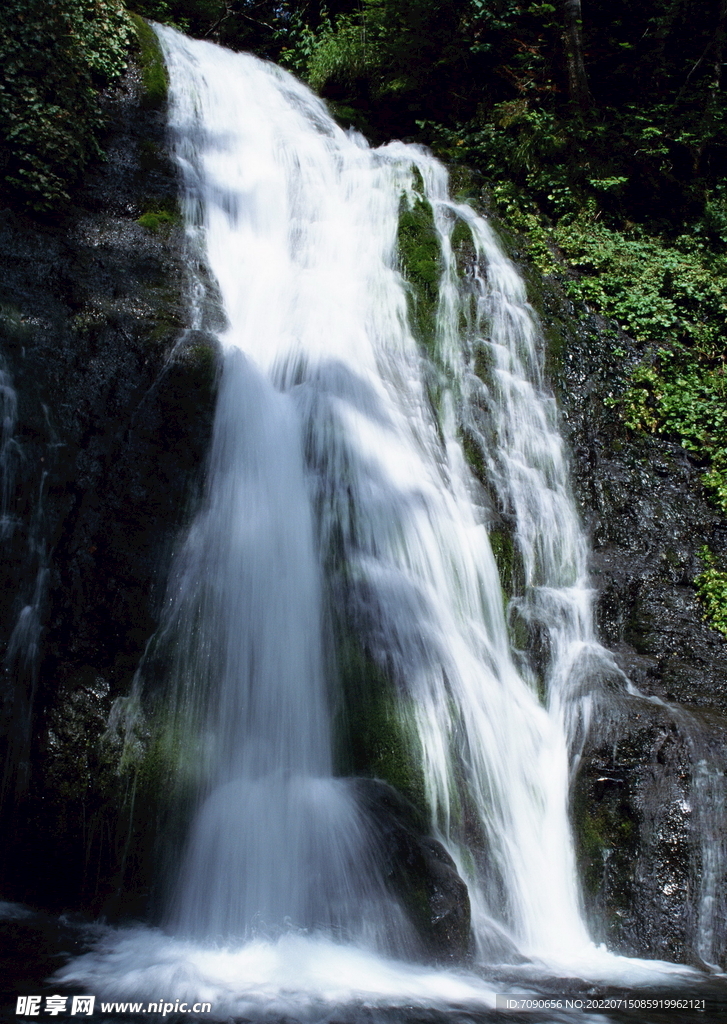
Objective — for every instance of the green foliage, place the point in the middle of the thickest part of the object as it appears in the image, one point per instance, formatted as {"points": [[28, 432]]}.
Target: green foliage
{"points": [[56, 57], [672, 297], [712, 589], [660, 291], [338, 53], [195, 16]]}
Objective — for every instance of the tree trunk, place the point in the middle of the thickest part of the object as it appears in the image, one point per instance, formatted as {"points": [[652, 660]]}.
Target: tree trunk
{"points": [[578, 91]]}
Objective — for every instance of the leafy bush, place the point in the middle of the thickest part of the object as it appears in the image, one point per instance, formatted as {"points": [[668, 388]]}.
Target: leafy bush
{"points": [[712, 589], [338, 52], [671, 296], [56, 57]]}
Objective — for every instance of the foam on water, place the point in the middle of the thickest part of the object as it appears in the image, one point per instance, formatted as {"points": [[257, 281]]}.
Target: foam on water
{"points": [[309, 977], [297, 975]]}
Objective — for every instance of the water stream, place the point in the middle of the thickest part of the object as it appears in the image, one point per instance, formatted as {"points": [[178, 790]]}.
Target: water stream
{"points": [[324, 414], [343, 522]]}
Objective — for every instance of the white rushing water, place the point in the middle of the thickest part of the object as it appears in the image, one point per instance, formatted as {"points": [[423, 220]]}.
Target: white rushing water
{"points": [[323, 404], [340, 509]]}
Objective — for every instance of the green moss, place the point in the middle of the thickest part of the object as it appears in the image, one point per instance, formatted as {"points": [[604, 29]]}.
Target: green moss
{"points": [[712, 589], [375, 738], [509, 564], [421, 265], [159, 214], [473, 454], [483, 362], [463, 248], [156, 221], [461, 236], [153, 69], [606, 831]]}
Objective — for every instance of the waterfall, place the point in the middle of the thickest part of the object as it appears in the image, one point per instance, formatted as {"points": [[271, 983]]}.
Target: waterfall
{"points": [[333, 482], [339, 579], [277, 839]]}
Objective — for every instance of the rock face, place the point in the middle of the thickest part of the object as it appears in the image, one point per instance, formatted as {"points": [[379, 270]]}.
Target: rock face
{"points": [[650, 787], [648, 516], [114, 411], [419, 871], [643, 812]]}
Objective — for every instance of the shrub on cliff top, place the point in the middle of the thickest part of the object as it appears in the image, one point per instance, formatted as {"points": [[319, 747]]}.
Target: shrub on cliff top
{"points": [[56, 56]]}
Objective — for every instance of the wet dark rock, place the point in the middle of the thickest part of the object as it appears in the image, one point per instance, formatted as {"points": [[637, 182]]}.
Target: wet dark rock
{"points": [[115, 403], [633, 841], [645, 817], [647, 514], [648, 805], [419, 871]]}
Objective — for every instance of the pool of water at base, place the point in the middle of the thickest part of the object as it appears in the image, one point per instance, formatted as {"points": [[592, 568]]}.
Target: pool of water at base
{"points": [[36, 948]]}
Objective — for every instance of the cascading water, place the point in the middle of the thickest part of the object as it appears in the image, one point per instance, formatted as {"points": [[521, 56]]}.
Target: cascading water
{"points": [[300, 224], [342, 524], [276, 839]]}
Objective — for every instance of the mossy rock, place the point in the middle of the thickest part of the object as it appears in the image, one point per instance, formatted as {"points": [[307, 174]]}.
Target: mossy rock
{"points": [[473, 455], [160, 214], [155, 222], [375, 739], [421, 265], [419, 872], [509, 561], [153, 69], [463, 247]]}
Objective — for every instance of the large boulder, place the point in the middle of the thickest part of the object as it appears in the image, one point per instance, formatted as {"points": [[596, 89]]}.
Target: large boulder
{"points": [[418, 870]]}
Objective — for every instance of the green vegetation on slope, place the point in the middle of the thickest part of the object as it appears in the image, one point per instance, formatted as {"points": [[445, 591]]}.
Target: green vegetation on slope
{"points": [[56, 58], [712, 589]]}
